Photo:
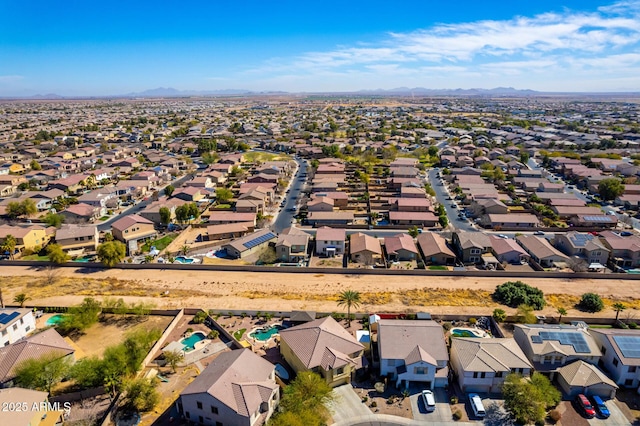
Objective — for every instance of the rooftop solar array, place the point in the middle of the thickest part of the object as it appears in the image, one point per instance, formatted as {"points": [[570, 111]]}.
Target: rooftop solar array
{"points": [[580, 240], [6, 319], [602, 219], [573, 338], [259, 240], [629, 345]]}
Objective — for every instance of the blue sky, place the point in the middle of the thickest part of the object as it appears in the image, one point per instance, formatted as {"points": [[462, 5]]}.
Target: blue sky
{"points": [[107, 48]]}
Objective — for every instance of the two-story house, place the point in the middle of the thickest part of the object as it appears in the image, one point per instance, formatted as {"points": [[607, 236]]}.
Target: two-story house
{"points": [[620, 354], [15, 324], [330, 241], [133, 230]]}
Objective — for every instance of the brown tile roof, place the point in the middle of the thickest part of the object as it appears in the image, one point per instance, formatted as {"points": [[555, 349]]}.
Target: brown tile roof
{"points": [[400, 242], [322, 342], [129, 220], [432, 244], [362, 242], [400, 338], [330, 234], [239, 379]]}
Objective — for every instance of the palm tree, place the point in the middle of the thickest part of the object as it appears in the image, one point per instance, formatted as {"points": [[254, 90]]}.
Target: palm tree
{"points": [[184, 249], [562, 312], [9, 245], [21, 299], [349, 298], [619, 307]]}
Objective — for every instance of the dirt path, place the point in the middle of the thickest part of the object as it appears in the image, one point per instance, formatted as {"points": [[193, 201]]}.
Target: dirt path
{"points": [[286, 291]]}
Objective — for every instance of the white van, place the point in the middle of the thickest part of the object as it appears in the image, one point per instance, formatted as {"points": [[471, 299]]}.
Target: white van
{"points": [[476, 405], [429, 400]]}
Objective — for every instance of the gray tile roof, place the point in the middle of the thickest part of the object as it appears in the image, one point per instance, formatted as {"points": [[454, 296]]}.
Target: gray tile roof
{"points": [[411, 339], [489, 355]]}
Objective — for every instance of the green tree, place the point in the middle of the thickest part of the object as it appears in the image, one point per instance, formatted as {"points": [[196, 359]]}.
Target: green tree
{"points": [[140, 394], [610, 189], [9, 245], [56, 254], [43, 372], [223, 195], [168, 190], [591, 302], [21, 299], [111, 253], [499, 315], [35, 165], [88, 372], [514, 293], [413, 231], [80, 317], [562, 312], [443, 220], [529, 399], [432, 151], [165, 215], [268, 256], [303, 401], [619, 307], [173, 358], [525, 315], [349, 298], [25, 207], [53, 219]]}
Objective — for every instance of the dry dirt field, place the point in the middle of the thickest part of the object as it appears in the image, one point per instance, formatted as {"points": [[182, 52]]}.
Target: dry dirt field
{"points": [[287, 291]]}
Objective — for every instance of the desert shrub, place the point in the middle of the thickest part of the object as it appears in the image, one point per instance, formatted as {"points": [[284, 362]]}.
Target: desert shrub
{"points": [[447, 326], [213, 334], [199, 317], [633, 325], [373, 404], [591, 302], [365, 398], [453, 400], [515, 293], [473, 321], [555, 416], [457, 415]]}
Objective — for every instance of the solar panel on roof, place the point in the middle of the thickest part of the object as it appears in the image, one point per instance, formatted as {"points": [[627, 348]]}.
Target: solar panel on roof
{"points": [[629, 345], [258, 240], [575, 339], [598, 218], [9, 317], [536, 339]]}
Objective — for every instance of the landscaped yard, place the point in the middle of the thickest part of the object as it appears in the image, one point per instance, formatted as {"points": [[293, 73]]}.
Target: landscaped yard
{"points": [[36, 257], [161, 243], [437, 268]]}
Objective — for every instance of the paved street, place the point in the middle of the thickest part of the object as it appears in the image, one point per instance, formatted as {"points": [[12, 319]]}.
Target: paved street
{"points": [[452, 213], [285, 216]]}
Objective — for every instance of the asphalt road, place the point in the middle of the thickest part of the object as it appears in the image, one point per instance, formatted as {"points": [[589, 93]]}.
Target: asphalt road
{"points": [[452, 213], [285, 217]]}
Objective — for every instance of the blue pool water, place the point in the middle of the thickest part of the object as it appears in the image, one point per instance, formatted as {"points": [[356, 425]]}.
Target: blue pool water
{"points": [[190, 342], [54, 320], [265, 333], [182, 259]]}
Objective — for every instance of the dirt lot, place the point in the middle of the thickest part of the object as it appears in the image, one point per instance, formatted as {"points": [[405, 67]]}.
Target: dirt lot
{"points": [[289, 291]]}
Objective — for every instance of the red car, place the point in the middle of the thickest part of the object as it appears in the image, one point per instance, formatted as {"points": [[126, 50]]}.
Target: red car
{"points": [[585, 407]]}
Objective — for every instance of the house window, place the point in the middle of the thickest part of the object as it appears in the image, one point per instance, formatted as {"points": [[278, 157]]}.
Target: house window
{"points": [[15, 327], [498, 373], [214, 410], [475, 374], [27, 328], [548, 358], [421, 370], [475, 251], [558, 359], [218, 423], [21, 321], [187, 414], [340, 371], [200, 419], [391, 363], [615, 362], [4, 332], [199, 405], [628, 382], [483, 375], [632, 369], [604, 351]]}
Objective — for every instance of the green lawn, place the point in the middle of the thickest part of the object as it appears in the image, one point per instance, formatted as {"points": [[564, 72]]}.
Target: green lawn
{"points": [[238, 334], [161, 243], [223, 206], [36, 257], [103, 218], [437, 268]]}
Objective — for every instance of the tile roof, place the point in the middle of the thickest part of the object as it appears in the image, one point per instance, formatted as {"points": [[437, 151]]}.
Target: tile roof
{"points": [[129, 220], [583, 374], [362, 242], [489, 355], [399, 339]]}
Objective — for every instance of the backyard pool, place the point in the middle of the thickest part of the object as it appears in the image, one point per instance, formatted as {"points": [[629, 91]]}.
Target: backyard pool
{"points": [[265, 333], [85, 259], [54, 320], [282, 372], [184, 259], [190, 342], [468, 332]]}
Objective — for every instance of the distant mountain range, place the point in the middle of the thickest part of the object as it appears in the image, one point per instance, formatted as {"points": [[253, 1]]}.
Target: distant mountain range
{"points": [[169, 92]]}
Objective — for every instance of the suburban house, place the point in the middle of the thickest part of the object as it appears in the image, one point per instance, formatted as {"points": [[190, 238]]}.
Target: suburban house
{"points": [[78, 238], [541, 250], [133, 230], [364, 249], [27, 237], [400, 247], [320, 204], [413, 351], [620, 354], [330, 218], [221, 218], [292, 245], [237, 388], [330, 241], [323, 346], [15, 324], [471, 245], [34, 415], [35, 346], [625, 250], [512, 220], [587, 379], [481, 365], [507, 250], [583, 245], [227, 231], [81, 212], [435, 250], [249, 244], [421, 219], [549, 347]]}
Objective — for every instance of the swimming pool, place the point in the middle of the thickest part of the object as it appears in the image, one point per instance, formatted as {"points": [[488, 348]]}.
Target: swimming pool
{"points": [[54, 320], [468, 332], [184, 259], [282, 372], [190, 342], [85, 259], [265, 333]]}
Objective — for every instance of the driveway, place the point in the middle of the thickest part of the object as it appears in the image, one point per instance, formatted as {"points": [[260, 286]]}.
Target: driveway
{"points": [[442, 414], [346, 404], [616, 418]]}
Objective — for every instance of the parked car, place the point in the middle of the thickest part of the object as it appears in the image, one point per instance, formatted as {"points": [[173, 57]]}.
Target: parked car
{"points": [[584, 407], [476, 405], [538, 233], [601, 408], [503, 236], [429, 400]]}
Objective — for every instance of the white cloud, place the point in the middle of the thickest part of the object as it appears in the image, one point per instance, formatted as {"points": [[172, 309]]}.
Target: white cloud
{"points": [[10, 78]]}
